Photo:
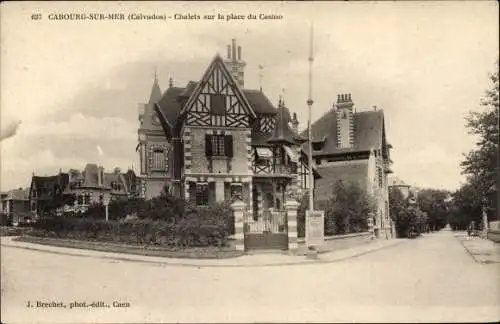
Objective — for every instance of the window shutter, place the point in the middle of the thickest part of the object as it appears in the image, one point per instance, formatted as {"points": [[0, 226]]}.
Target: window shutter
{"points": [[208, 145], [228, 143]]}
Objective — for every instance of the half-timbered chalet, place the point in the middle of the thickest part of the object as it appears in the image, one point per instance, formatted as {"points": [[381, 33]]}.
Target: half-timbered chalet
{"points": [[214, 140]]}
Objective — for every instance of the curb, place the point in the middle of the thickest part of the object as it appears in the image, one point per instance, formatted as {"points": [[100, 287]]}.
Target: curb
{"points": [[472, 255], [166, 263], [116, 248], [468, 251]]}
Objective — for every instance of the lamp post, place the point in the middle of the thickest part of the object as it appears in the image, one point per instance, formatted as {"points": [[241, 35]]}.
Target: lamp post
{"points": [[309, 104]]}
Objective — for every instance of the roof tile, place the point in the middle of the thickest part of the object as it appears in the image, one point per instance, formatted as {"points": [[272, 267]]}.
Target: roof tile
{"points": [[368, 128]]}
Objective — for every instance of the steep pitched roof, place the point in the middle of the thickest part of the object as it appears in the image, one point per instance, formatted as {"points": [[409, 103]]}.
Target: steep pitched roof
{"points": [[45, 185], [282, 132], [172, 101], [155, 92], [356, 173], [259, 102], [170, 104], [218, 64], [368, 131]]}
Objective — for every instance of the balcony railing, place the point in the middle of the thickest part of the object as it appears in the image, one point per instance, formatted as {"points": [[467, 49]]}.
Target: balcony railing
{"points": [[280, 169]]}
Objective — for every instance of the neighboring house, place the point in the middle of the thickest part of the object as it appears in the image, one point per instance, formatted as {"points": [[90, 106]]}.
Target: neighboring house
{"points": [[48, 193], [352, 146], [15, 204], [213, 140], [76, 190], [93, 185], [3, 203]]}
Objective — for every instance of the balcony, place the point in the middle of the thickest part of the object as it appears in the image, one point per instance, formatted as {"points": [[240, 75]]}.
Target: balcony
{"points": [[279, 170]]}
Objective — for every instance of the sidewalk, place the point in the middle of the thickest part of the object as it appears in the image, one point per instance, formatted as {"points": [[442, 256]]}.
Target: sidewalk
{"points": [[482, 250], [253, 260]]}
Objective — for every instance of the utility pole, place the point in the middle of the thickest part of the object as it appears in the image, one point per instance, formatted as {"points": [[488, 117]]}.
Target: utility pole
{"points": [[309, 104]]}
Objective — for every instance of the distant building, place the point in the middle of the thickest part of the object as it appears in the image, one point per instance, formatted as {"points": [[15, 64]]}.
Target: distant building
{"points": [[76, 190], [396, 182], [15, 204], [352, 146], [48, 193]]}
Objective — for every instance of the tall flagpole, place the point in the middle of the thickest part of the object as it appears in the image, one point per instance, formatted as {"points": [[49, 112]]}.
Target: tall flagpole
{"points": [[309, 104]]}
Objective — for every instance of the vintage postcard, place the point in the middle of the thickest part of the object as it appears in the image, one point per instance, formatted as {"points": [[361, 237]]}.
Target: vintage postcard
{"points": [[236, 162]]}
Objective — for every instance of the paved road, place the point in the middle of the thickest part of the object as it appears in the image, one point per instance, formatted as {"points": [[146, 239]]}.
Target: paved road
{"points": [[429, 279]]}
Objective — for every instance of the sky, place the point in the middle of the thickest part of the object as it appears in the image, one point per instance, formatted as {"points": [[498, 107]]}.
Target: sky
{"points": [[75, 86]]}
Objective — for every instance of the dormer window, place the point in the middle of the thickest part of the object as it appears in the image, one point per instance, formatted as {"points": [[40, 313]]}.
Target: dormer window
{"points": [[318, 144], [218, 104]]}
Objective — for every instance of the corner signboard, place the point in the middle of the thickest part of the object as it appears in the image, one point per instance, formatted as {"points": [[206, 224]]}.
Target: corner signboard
{"points": [[315, 228]]}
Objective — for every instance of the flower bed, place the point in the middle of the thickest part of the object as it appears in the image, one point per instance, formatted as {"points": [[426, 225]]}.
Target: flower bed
{"points": [[208, 252], [13, 231], [195, 227]]}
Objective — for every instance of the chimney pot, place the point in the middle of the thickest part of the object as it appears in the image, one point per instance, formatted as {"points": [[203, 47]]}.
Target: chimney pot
{"points": [[234, 49], [239, 53], [228, 52]]}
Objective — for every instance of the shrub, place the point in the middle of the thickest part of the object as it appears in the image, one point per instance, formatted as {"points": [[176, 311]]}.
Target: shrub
{"points": [[197, 227]]}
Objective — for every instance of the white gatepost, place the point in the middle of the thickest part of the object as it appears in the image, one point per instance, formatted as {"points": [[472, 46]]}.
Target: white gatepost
{"points": [[106, 204], [239, 208], [370, 226], [291, 207]]}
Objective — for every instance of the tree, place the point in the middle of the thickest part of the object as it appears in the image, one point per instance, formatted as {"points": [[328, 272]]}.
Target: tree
{"points": [[465, 208], [408, 218], [434, 203], [348, 209], [481, 163]]}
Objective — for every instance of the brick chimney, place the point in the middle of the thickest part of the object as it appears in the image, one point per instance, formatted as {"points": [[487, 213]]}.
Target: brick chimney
{"points": [[235, 64], [345, 121], [295, 123], [100, 176]]}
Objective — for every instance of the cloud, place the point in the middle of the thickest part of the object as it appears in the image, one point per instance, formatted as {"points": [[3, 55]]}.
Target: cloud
{"points": [[429, 166], [99, 150], [83, 126], [49, 146], [9, 130]]}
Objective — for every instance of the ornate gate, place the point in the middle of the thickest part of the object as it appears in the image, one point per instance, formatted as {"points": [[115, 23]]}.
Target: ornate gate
{"points": [[268, 232]]}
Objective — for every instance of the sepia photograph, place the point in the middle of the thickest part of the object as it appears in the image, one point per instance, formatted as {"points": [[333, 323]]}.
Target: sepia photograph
{"points": [[249, 162]]}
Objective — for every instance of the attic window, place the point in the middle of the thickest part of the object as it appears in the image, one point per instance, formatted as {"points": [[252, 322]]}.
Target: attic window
{"points": [[217, 104], [318, 144]]}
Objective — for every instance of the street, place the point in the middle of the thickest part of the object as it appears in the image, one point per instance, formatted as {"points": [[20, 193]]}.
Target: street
{"points": [[432, 278]]}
